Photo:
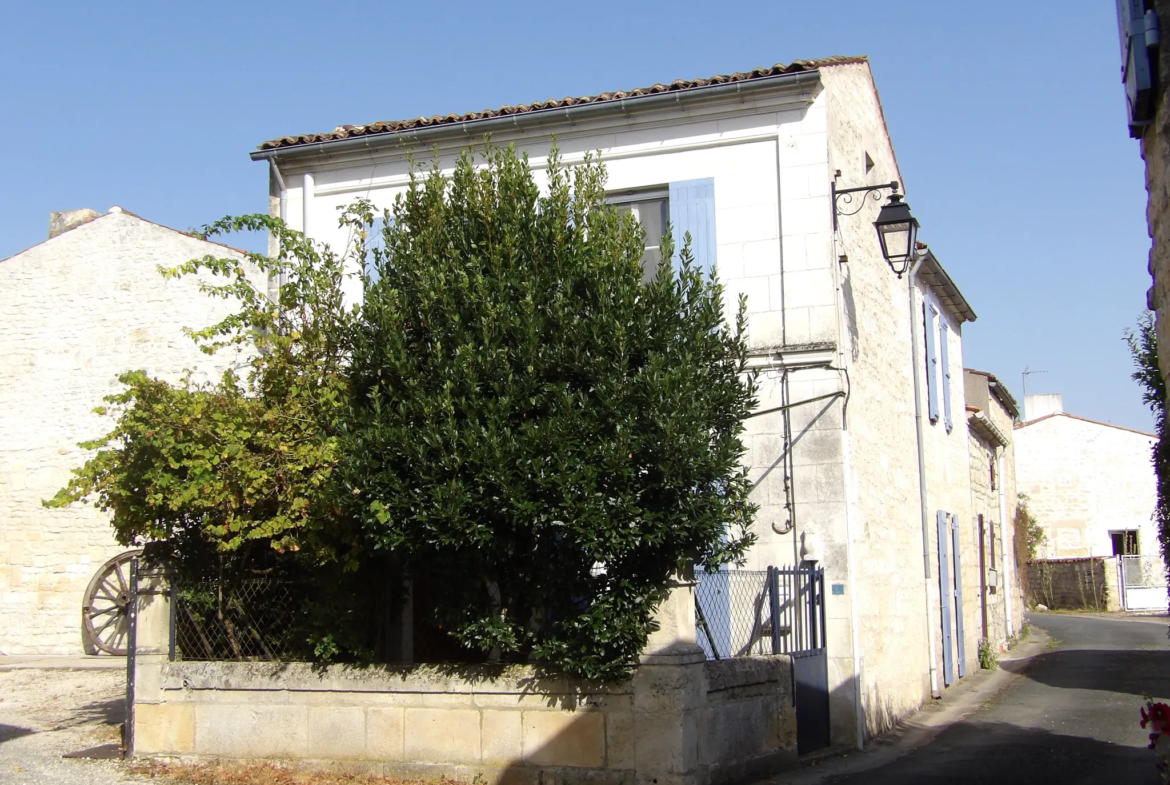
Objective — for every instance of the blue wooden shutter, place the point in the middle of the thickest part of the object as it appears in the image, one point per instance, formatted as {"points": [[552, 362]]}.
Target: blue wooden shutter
{"points": [[960, 645], [931, 316], [692, 209], [944, 357], [944, 586], [374, 240]]}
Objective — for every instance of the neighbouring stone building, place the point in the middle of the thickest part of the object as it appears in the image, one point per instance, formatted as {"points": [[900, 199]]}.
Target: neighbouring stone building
{"points": [[1145, 73], [1091, 485], [991, 419], [77, 311], [746, 163]]}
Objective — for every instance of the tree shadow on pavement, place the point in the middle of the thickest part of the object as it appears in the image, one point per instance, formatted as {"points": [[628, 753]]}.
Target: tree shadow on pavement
{"points": [[1005, 754], [1108, 670]]}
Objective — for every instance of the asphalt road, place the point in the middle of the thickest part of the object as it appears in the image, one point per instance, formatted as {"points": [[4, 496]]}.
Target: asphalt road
{"points": [[1070, 717]]}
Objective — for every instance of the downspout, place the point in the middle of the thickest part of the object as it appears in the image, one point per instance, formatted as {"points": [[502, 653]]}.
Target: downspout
{"points": [[306, 202], [1007, 561], [283, 209], [914, 340]]}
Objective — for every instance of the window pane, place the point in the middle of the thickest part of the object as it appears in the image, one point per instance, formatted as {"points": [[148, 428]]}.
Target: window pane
{"points": [[651, 215]]}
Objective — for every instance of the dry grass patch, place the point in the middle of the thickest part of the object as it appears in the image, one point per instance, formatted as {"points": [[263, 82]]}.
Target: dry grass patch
{"points": [[264, 774]]}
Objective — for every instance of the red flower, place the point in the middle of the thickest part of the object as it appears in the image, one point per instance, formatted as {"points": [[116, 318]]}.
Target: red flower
{"points": [[1158, 716]]}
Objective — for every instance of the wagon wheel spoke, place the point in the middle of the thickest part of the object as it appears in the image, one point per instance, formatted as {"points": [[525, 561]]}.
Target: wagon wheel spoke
{"points": [[99, 630], [112, 609]]}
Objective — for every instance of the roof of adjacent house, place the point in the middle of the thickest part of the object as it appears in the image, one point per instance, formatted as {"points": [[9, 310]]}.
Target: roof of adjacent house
{"points": [[1000, 391], [116, 210], [677, 86], [1084, 419], [933, 275]]}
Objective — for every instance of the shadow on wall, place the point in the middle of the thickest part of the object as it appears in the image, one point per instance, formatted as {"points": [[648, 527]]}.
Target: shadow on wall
{"points": [[1007, 754], [1130, 672]]}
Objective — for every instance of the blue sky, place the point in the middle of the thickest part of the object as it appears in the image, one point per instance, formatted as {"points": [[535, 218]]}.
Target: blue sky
{"points": [[1007, 117]]}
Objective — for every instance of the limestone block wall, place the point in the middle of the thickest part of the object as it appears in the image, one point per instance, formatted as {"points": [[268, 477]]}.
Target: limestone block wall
{"points": [[75, 312], [1155, 149], [1085, 479], [679, 720], [715, 722], [887, 581]]}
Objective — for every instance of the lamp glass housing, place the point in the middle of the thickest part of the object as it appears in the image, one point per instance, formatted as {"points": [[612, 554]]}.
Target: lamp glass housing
{"points": [[897, 233]]}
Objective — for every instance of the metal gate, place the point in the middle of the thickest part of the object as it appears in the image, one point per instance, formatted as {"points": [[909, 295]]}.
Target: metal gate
{"points": [[780, 611], [1143, 583]]}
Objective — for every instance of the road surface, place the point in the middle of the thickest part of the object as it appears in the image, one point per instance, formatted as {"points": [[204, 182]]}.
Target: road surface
{"points": [[1070, 716]]}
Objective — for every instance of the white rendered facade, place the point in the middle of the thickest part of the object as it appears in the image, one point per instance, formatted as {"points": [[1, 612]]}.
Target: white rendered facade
{"points": [[825, 315]]}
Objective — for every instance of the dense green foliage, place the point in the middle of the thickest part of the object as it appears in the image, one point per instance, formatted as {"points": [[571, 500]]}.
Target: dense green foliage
{"points": [[1143, 345], [511, 422]]}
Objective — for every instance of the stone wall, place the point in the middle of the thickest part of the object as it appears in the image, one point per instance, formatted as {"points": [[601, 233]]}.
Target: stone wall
{"points": [[993, 496], [1085, 479], [1074, 584], [75, 312], [1155, 149], [678, 721], [896, 605]]}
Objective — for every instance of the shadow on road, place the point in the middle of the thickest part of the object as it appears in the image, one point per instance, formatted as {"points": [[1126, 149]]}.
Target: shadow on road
{"points": [[10, 732], [1109, 670], [1006, 754]]}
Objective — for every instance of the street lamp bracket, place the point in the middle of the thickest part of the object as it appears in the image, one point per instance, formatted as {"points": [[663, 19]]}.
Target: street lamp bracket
{"points": [[843, 197]]}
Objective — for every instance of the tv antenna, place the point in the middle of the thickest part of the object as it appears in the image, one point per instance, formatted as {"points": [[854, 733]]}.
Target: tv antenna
{"points": [[1027, 372]]}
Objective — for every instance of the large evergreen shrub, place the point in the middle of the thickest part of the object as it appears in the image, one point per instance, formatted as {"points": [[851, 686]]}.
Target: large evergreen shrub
{"points": [[512, 422]]}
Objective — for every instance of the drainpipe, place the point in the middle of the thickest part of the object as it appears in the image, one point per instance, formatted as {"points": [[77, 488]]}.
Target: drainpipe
{"points": [[915, 340], [306, 202], [1007, 561], [283, 205]]}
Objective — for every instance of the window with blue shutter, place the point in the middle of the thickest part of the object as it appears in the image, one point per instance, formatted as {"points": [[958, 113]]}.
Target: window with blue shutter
{"points": [[930, 318], [944, 333], [692, 209]]}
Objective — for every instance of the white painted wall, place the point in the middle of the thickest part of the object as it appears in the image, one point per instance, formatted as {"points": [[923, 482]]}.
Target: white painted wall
{"points": [[1084, 479], [773, 156], [75, 312]]}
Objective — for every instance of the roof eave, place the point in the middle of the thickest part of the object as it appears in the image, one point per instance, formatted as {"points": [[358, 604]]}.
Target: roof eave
{"points": [[792, 81], [933, 275]]}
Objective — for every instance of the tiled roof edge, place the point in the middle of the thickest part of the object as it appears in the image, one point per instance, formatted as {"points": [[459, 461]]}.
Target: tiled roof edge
{"points": [[679, 85]]}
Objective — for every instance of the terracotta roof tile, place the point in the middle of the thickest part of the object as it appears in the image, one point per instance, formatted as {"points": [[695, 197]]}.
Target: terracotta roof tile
{"points": [[392, 126]]}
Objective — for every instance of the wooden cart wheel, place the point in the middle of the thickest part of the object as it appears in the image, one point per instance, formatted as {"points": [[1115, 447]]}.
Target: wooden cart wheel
{"points": [[104, 624]]}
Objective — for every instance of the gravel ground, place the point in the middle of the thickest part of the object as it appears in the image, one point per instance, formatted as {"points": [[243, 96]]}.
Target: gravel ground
{"points": [[47, 713]]}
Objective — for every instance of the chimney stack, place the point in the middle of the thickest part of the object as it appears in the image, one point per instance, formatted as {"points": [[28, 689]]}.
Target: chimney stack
{"points": [[1037, 406]]}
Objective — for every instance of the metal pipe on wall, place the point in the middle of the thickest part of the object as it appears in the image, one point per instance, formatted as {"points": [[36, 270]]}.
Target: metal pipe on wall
{"points": [[1003, 526], [307, 191], [914, 340]]}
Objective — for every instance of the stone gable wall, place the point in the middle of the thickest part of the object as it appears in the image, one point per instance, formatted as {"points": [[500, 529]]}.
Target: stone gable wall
{"points": [[1083, 480], [75, 312]]}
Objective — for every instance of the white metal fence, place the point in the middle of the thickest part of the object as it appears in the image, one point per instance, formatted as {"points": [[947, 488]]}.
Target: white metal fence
{"points": [[1143, 583]]}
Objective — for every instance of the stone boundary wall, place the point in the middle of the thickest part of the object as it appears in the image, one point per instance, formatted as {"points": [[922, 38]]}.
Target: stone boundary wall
{"points": [[1074, 584], [679, 720]]}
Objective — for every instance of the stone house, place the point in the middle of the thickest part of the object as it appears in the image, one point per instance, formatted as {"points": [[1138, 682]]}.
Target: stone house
{"points": [[1145, 74], [991, 417], [76, 311], [747, 163], [1091, 485]]}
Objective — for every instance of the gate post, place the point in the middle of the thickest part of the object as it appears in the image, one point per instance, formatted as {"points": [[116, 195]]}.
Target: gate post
{"points": [[774, 606]]}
